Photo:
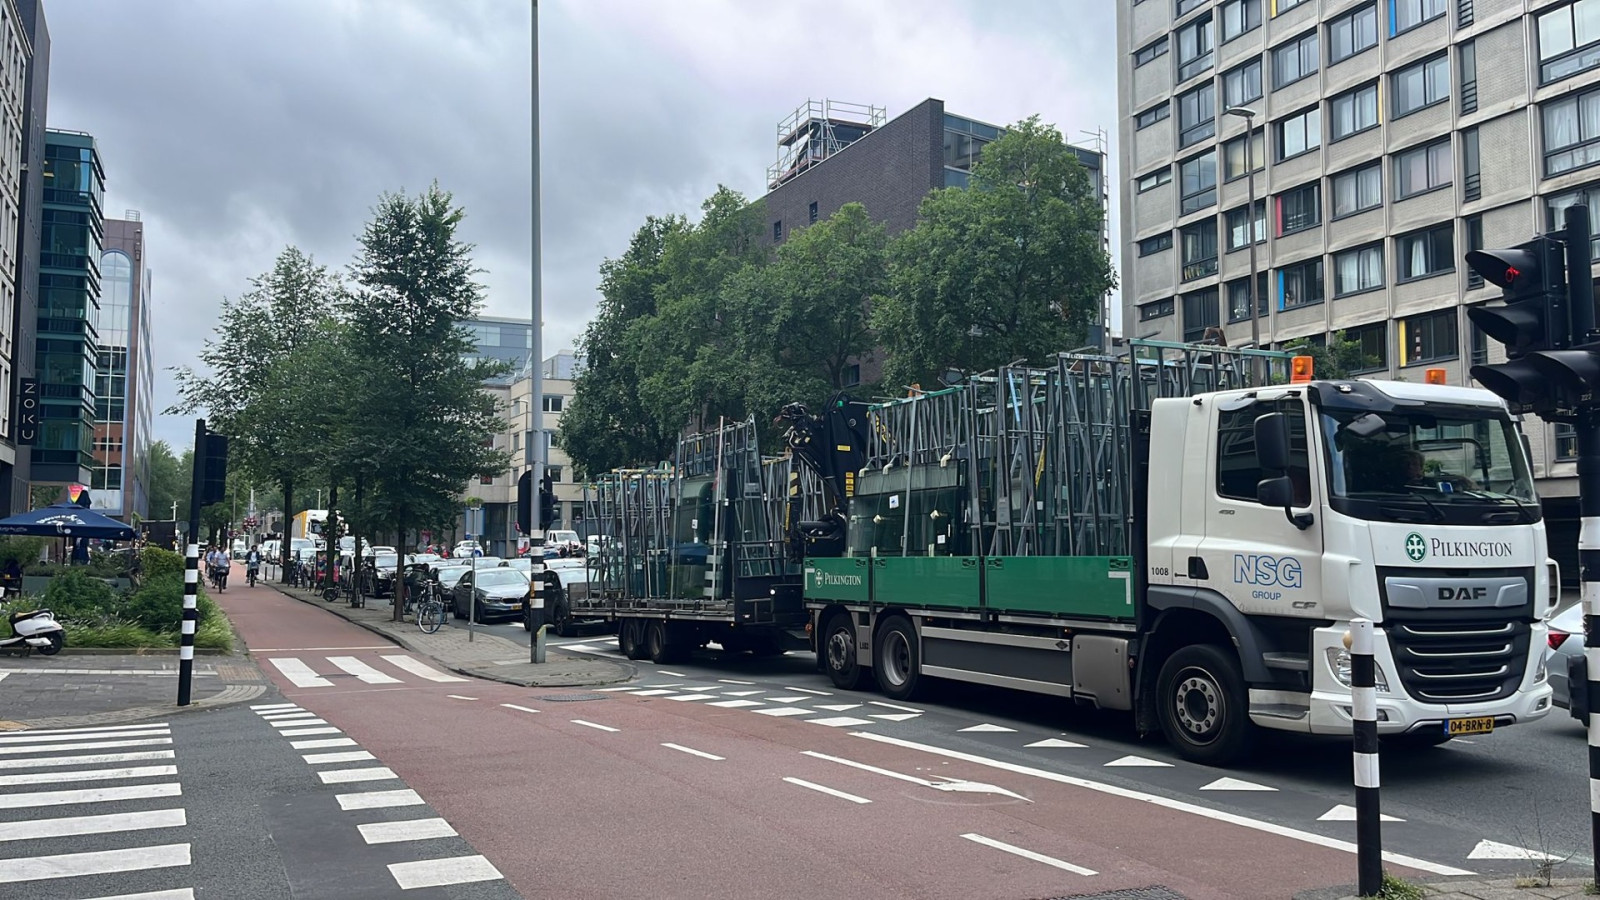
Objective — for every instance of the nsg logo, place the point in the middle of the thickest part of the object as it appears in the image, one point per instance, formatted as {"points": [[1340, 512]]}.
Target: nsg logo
{"points": [[1267, 571]]}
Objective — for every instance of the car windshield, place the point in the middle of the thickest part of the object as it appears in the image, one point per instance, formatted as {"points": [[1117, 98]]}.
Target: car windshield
{"points": [[1448, 465], [521, 565], [501, 578], [385, 561], [448, 577]]}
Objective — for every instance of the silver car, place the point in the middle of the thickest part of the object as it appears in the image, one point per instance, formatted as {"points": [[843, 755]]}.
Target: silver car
{"points": [[1566, 652]]}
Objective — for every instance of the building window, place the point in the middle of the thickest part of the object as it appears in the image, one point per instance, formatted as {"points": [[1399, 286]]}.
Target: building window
{"points": [[1354, 111], [486, 479], [1197, 115], [1241, 84], [1480, 345], [1471, 168], [553, 403], [1422, 169], [1474, 242], [777, 230], [1300, 284], [1199, 182], [1588, 195], [1566, 442], [811, 213], [1240, 16], [1239, 227], [1299, 209], [1150, 52], [1571, 132], [1352, 33], [1152, 245], [1236, 156], [1283, 6], [1239, 298], [1199, 249], [1423, 254], [1408, 14], [1194, 48], [1188, 6], [1300, 133], [1294, 60], [851, 375], [1201, 312], [1153, 115], [1153, 180], [1358, 190], [1569, 40], [1374, 341], [1160, 309], [1358, 270], [1418, 86], [1430, 337], [1467, 62]]}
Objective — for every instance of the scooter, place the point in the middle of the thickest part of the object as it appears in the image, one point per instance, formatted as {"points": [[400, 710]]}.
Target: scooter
{"points": [[36, 630]]}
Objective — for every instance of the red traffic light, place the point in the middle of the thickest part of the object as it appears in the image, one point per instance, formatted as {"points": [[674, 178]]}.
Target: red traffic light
{"points": [[1502, 268]]}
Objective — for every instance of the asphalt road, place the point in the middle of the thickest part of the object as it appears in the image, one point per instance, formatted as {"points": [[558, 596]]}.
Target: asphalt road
{"points": [[1525, 787]]}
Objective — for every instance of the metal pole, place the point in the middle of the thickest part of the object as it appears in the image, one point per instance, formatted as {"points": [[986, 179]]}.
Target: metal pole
{"points": [[533, 449], [1364, 712], [191, 567], [1588, 427], [1250, 219], [472, 598], [1580, 274]]}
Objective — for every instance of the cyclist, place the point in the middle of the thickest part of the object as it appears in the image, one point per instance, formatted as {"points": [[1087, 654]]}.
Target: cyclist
{"points": [[252, 562], [217, 562]]}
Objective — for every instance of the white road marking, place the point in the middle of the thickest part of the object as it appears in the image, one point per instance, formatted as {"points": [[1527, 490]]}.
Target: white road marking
{"points": [[321, 743], [346, 756], [839, 721], [92, 745], [439, 872], [808, 691], [593, 725], [954, 785], [153, 673], [1497, 850], [895, 706], [740, 693], [420, 669], [518, 708], [1167, 803], [782, 711], [96, 728], [655, 693], [784, 699], [1343, 813], [34, 829], [378, 799], [408, 830], [88, 775], [1234, 784], [23, 737], [298, 673], [1138, 762], [827, 790], [1029, 854], [615, 689], [693, 697], [840, 707], [318, 650], [299, 716], [299, 723], [1054, 742], [99, 862], [459, 697], [265, 706], [895, 717], [179, 894], [93, 759], [693, 752], [734, 681], [987, 727], [362, 671], [90, 795], [345, 776], [308, 732], [673, 674], [734, 704]]}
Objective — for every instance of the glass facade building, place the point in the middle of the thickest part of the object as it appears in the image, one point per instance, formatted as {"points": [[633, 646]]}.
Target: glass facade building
{"points": [[507, 340], [123, 382], [66, 348]]}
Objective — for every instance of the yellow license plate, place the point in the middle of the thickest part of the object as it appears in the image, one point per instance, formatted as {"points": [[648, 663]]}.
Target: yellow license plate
{"points": [[1474, 725]]}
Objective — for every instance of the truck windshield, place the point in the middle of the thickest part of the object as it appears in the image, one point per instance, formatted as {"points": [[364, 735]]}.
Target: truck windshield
{"points": [[1448, 465]]}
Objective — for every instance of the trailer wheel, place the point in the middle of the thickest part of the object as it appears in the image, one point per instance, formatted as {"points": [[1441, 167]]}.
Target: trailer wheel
{"points": [[655, 642], [839, 653], [1203, 705], [629, 638], [895, 659]]}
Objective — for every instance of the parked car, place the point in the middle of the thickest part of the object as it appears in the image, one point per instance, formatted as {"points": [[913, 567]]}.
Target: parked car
{"points": [[378, 574], [563, 538], [499, 592], [447, 576], [1565, 655]]}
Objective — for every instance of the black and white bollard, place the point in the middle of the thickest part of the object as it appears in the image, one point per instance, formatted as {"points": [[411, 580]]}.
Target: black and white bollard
{"points": [[1364, 710], [191, 584], [1589, 576]]}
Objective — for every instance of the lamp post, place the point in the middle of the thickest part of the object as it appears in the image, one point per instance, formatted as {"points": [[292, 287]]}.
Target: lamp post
{"points": [[1249, 117]]}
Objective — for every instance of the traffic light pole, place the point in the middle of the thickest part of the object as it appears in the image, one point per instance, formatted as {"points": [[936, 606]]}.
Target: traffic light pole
{"points": [[1588, 427], [191, 566]]}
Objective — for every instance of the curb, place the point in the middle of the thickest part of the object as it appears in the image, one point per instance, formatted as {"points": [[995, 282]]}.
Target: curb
{"points": [[471, 672], [127, 651], [231, 694]]}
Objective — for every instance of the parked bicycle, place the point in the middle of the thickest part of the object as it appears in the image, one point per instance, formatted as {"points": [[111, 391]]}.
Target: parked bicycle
{"points": [[430, 609]]}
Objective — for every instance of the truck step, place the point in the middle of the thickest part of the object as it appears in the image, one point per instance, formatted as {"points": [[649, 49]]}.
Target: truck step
{"points": [[1296, 662]]}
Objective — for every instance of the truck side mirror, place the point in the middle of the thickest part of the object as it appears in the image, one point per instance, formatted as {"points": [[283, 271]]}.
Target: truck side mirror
{"points": [[1272, 442], [1277, 491]]}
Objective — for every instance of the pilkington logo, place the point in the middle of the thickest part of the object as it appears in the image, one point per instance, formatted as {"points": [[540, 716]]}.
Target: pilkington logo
{"points": [[1416, 547], [1459, 549], [829, 578]]}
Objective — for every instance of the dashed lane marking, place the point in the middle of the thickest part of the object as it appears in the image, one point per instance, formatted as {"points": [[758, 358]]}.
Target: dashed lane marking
{"points": [[693, 752], [518, 708], [459, 697], [735, 704], [808, 691], [594, 725], [840, 722], [1029, 854], [896, 706], [832, 792]]}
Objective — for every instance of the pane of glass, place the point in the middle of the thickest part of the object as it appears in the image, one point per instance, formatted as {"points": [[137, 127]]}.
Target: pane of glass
{"points": [[1585, 22]]}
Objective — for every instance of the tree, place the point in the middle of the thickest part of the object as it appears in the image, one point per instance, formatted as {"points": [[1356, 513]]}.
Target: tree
{"points": [[425, 425], [1010, 268], [1337, 359], [167, 485]]}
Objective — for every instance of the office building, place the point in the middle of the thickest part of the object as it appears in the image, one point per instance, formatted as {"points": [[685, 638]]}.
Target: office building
{"points": [[1387, 139], [120, 482], [24, 81], [506, 340], [67, 344], [558, 372]]}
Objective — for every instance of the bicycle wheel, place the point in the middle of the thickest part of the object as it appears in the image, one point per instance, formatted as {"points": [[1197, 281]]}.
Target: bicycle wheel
{"points": [[430, 617]]}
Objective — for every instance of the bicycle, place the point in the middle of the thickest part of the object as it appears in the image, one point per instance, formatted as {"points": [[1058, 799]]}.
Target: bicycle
{"points": [[430, 610], [250, 575]]}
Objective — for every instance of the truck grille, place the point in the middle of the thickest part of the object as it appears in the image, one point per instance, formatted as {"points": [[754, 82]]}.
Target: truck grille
{"points": [[1460, 660]]}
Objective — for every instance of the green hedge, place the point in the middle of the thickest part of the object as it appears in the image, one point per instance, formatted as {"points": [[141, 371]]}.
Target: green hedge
{"points": [[96, 615]]}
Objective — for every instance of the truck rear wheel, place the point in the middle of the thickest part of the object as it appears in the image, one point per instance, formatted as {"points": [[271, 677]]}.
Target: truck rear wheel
{"points": [[839, 653], [1203, 705], [655, 641], [895, 659], [630, 638]]}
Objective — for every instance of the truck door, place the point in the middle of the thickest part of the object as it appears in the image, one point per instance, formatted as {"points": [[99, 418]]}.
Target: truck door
{"points": [[1262, 562]]}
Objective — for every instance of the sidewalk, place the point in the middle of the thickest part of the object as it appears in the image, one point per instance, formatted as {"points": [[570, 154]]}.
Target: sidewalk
{"points": [[1478, 888], [110, 689], [487, 656]]}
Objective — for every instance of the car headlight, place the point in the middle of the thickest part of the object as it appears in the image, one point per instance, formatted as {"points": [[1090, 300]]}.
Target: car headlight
{"points": [[1339, 662]]}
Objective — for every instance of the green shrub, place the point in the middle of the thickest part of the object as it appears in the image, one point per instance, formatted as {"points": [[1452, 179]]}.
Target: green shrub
{"points": [[158, 604], [215, 634], [24, 550], [157, 562], [112, 631], [74, 594]]}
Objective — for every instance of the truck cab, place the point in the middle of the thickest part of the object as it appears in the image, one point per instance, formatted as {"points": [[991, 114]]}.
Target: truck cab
{"points": [[1281, 513]]}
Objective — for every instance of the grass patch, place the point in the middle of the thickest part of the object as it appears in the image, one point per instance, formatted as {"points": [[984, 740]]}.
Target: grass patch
{"points": [[1394, 888]]}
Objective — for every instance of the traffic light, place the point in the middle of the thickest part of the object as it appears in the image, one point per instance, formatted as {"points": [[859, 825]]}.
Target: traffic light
{"points": [[547, 501], [1536, 321], [525, 503], [212, 466]]}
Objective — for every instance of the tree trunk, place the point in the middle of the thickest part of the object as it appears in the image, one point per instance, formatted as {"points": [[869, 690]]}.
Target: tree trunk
{"points": [[399, 571], [355, 534], [287, 485]]}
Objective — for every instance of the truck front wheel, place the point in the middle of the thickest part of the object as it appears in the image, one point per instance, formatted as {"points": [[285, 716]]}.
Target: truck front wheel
{"points": [[895, 659], [839, 653], [1204, 706]]}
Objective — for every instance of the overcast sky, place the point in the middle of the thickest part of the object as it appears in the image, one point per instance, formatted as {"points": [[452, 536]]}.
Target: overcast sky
{"points": [[236, 128]]}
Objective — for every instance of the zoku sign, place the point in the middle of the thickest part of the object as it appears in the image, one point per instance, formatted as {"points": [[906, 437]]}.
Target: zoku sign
{"points": [[27, 410]]}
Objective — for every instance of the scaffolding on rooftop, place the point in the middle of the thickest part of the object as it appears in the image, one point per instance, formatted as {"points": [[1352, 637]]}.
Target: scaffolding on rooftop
{"points": [[816, 130]]}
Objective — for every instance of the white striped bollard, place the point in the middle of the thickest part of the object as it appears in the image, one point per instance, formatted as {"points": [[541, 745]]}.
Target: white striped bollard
{"points": [[1364, 711], [191, 584], [1588, 429]]}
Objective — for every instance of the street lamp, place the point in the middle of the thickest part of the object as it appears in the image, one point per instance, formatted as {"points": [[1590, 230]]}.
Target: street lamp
{"points": [[1249, 117]]}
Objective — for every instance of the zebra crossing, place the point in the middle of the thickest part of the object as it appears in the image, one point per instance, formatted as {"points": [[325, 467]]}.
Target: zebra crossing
{"points": [[365, 785], [331, 671], [117, 813]]}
